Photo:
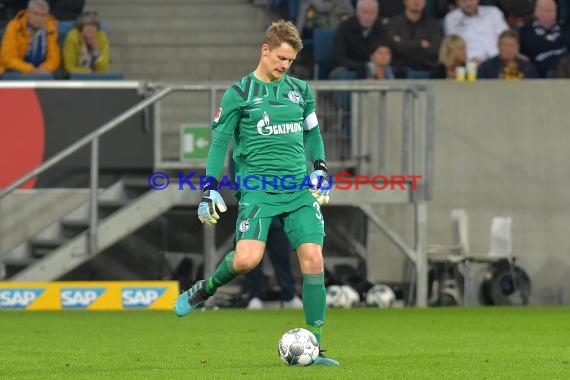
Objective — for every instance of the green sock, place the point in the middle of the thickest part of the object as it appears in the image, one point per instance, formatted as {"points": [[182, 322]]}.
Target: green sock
{"points": [[223, 274], [314, 302]]}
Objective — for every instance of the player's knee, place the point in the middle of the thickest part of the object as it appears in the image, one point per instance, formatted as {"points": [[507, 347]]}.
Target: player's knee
{"points": [[311, 260], [315, 263], [245, 264]]}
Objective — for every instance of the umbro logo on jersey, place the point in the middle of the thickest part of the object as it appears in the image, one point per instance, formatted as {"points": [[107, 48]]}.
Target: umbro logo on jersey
{"points": [[258, 100]]}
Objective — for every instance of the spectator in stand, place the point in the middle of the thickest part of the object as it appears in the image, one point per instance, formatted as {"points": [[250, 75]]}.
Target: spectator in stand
{"points": [[30, 43], [380, 60], [322, 14], [353, 40], [66, 9], [86, 47], [545, 41], [563, 69], [414, 37], [480, 27], [452, 54], [509, 64]]}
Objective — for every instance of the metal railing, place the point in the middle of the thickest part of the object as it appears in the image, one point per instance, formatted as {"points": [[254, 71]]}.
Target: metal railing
{"points": [[93, 139], [364, 125]]}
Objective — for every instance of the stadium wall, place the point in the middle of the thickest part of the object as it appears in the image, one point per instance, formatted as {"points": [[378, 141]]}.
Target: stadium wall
{"points": [[501, 149]]}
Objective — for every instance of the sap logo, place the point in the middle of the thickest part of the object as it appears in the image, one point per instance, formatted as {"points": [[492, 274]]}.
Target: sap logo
{"points": [[140, 297], [18, 298], [79, 298]]}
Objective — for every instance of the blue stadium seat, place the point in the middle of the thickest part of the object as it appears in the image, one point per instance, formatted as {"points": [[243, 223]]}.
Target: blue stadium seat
{"points": [[323, 41], [294, 6], [14, 75], [417, 74], [96, 76], [63, 27]]}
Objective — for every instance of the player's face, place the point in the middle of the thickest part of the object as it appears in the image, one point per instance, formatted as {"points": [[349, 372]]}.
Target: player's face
{"points": [[277, 61]]}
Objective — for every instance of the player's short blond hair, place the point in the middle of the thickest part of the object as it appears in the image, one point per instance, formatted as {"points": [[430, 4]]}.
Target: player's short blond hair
{"points": [[283, 31]]}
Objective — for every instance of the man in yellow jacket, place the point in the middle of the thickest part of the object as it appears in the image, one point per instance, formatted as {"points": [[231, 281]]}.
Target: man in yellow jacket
{"points": [[30, 41]]}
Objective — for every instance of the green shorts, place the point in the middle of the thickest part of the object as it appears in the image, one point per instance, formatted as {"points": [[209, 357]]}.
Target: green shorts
{"points": [[301, 218]]}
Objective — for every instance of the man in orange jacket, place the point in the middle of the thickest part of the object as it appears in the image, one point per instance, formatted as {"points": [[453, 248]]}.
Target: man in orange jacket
{"points": [[30, 41]]}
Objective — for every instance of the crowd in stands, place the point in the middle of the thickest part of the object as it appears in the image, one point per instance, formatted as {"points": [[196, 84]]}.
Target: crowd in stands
{"points": [[453, 39], [53, 39]]}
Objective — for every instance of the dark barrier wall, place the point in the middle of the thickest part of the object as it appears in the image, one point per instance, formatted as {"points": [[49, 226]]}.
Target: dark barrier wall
{"points": [[37, 123]]}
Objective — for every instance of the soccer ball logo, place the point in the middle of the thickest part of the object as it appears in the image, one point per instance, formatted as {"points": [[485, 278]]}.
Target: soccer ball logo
{"points": [[298, 347]]}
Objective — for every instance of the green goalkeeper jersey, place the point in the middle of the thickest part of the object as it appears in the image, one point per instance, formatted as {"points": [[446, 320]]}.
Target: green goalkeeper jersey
{"points": [[268, 122]]}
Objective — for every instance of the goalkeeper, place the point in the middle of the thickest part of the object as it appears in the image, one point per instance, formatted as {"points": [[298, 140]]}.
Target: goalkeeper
{"points": [[271, 118]]}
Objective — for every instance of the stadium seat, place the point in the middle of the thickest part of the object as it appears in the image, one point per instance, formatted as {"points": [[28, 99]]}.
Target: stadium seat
{"points": [[459, 246], [417, 74], [14, 75], [293, 6], [63, 27], [96, 76], [323, 40]]}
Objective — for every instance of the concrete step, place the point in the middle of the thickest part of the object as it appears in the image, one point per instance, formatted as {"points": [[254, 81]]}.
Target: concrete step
{"points": [[230, 55], [184, 27], [190, 11], [183, 40], [183, 70], [93, 4]]}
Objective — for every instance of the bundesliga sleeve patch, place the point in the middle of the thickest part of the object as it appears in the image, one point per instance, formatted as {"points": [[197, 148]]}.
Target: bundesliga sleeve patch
{"points": [[218, 114]]}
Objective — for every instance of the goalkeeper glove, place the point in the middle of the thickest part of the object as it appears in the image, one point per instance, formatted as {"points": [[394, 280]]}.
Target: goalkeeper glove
{"points": [[320, 185], [210, 200]]}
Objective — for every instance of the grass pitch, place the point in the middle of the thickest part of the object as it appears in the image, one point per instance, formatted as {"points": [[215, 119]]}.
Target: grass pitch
{"points": [[448, 343]]}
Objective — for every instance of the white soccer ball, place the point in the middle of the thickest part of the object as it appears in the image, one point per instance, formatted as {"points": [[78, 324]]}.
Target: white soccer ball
{"points": [[335, 296], [352, 297], [341, 296], [380, 295], [298, 347]]}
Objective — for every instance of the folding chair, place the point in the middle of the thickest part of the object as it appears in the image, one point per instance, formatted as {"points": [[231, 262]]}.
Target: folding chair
{"points": [[450, 256]]}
